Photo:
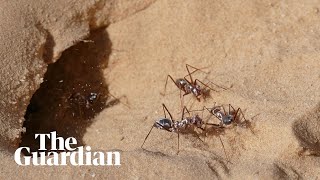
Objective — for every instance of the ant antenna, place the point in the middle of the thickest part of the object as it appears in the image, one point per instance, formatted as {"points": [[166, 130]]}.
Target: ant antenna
{"points": [[224, 150]]}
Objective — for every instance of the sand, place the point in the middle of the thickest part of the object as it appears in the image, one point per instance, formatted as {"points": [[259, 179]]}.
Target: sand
{"points": [[265, 52]]}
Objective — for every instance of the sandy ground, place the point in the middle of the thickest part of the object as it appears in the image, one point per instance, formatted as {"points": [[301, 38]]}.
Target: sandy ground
{"points": [[266, 52]]}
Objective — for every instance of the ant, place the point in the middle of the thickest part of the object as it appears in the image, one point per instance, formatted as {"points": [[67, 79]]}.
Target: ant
{"points": [[171, 125], [92, 102], [81, 99], [191, 86], [228, 117]]}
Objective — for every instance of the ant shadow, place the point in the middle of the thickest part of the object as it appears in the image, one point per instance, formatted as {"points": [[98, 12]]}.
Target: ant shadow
{"points": [[72, 93]]}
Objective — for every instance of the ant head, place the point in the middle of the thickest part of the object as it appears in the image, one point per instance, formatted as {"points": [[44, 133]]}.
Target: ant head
{"points": [[227, 119]]}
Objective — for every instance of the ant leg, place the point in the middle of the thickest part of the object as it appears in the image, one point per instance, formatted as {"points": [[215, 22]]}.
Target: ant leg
{"points": [[182, 117], [207, 79], [212, 113], [243, 115], [146, 137], [213, 84], [189, 73], [224, 110], [182, 98], [218, 85], [238, 119], [182, 114], [247, 123], [236, 113], [184, 108], [165, 86], [202, 111], [230, 106], [164, 111], [210, 109], [196, 69], [223, 148], [193, 72], [197, 80], [202, 117], [187, 110], [198, 110], [178, 142]]}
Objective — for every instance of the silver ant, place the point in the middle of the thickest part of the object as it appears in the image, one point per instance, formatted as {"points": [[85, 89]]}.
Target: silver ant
{"points": [[81, 99], [191, 86], [228, 117], [171, 125]]}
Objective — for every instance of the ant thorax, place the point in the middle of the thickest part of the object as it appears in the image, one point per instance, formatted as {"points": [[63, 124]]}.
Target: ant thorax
{"points": [[185, 86], [182, 123], [194, 120], [190, 88], [218, 112], [196, 90]]}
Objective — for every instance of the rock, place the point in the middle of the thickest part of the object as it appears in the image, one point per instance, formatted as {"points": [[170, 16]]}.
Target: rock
{"points": [[35, 34], [307, 131]]}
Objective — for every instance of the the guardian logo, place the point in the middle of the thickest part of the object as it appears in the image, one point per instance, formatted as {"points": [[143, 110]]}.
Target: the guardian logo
{"points": [[75, 156]]}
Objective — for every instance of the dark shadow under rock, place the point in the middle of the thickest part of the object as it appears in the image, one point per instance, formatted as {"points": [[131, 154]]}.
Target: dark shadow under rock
{"points": [[307, 131], [282, 171], [72, 93]]}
